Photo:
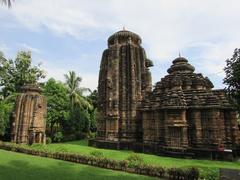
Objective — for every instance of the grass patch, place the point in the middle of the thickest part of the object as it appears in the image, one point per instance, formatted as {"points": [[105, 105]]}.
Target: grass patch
{"points": [[207, 168], [20, 166]]}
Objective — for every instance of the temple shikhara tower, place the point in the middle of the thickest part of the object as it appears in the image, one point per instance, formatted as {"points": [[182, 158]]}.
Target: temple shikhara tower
{"points": [[124, 80], [182, 115], [29, 122]]}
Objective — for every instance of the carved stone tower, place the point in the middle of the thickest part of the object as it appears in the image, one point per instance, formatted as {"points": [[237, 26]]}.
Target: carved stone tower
{"points": [[183, 115], [124, 79], [29, 124]]}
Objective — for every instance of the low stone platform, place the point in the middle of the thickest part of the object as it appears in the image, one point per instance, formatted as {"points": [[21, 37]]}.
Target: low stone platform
{"points": [[199, 153]]}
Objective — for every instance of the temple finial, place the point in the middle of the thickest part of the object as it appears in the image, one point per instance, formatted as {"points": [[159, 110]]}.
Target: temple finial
{"points": [[124, 29], [179, 54]]}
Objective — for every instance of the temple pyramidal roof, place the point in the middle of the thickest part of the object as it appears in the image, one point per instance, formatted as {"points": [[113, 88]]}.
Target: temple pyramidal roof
{"points": [[183, 88]]}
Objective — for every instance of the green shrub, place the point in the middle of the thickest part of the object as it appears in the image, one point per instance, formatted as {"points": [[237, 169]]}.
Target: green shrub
{"points": [[81, 135], [58, 137], [60, 149], [184, 174], [97, 154], [192, 173], [48, 140], [209, 173], [69, 137], [134, 159], [123, 164], [91, 135]]}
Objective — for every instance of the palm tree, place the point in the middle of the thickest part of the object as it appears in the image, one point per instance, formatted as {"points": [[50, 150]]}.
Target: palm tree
{"points": [[7, 2], [75, 92]]}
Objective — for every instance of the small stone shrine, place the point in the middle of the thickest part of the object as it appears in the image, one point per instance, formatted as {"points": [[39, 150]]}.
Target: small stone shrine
{"points": [[182, 115], [29, 124]]}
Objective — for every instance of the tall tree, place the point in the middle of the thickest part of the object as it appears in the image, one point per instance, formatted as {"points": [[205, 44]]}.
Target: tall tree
{"points": [[6, 108], [75, 92], [15, 74], [79, 121], [232, 79], [93, 98], [57, 105]]}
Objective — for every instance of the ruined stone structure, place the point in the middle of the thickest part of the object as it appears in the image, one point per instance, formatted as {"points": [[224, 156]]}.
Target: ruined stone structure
{"points": [[181, 115], [29, 124]]}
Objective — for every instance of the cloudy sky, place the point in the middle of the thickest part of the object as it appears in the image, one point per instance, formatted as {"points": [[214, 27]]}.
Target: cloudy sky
{"points": [[69, 35]]}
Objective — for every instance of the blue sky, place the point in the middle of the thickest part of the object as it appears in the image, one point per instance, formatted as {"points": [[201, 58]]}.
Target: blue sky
{"points": [[69, 35]]}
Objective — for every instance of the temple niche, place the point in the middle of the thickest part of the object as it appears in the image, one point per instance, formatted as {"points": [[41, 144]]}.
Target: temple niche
{"points": [[29, 116], [182, 115]]}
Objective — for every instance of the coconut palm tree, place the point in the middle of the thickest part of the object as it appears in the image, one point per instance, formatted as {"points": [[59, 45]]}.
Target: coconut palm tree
{"points": [[75, 92]]}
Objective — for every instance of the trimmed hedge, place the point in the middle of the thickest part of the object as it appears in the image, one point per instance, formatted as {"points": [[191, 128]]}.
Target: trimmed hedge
{"points": [[124, 165]]}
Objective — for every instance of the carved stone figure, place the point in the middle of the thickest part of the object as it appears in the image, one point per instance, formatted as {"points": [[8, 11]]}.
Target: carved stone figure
{"points": [[29, 123]]}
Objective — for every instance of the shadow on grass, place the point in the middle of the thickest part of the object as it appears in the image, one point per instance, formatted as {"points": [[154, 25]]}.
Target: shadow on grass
{"points": [[47, 169]]}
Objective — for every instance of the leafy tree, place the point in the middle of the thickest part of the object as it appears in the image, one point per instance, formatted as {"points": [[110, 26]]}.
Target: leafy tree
{"points": [[57, 105], [93, 98], [232, 79], [93, 121], [80, 106], [15, 74], [75, 92], [81, 121], [6, 107], [5, 110]]}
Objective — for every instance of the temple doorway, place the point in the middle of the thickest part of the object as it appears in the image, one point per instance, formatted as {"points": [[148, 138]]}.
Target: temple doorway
{"points": [[175, 134]]}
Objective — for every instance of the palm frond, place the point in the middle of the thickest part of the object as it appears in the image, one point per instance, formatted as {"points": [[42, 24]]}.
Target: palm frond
{"points": [[83, 103], [75, 92]]}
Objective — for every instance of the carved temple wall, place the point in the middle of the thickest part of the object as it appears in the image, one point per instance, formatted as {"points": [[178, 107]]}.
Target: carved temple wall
{"points": [[29, 124], [124, 79]]}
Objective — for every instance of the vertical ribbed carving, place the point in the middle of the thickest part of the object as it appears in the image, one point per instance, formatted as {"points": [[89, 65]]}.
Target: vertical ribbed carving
{"points": [[29, 124], [122, 84]]}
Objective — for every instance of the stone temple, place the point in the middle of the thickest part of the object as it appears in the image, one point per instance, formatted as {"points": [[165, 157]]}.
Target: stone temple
{"points": [[28, 125], [182, 115]]}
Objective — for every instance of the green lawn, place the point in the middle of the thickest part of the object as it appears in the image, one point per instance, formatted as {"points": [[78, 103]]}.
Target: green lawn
{"points": [[16, 166], [81, 147], [206, 167]]}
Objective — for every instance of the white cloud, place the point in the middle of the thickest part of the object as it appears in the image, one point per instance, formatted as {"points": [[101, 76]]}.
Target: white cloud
{"points": [[166, 26], [26, 47], [89, 80], [3, 47]]}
